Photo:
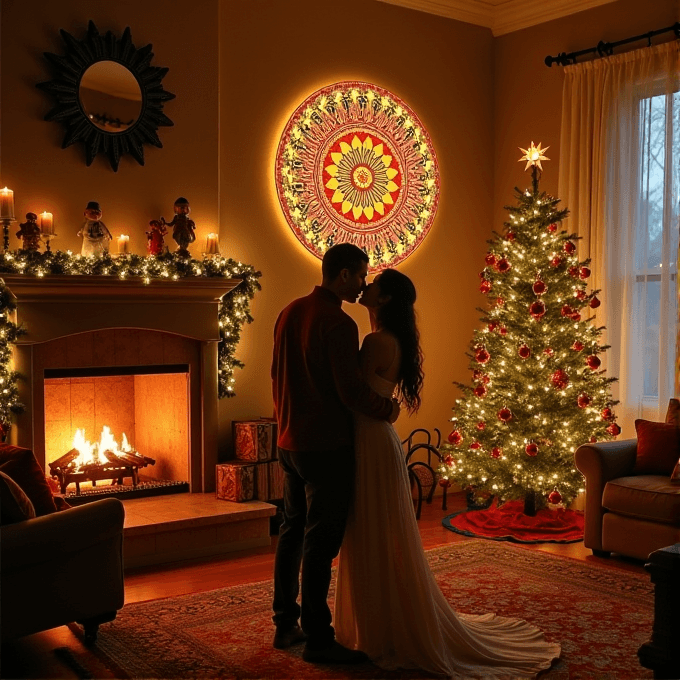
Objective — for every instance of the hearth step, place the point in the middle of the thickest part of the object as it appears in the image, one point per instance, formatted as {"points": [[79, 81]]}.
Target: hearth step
{"points": [[186, 526]]}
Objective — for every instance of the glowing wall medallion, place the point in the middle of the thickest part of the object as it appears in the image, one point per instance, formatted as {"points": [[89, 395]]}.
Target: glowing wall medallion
{"points": [[355, 164]]}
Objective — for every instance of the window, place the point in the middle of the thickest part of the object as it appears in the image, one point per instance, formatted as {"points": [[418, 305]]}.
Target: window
{"points": [[656, 227]]}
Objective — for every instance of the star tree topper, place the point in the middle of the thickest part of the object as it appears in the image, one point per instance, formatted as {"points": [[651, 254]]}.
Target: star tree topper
{"points": [[533, 156]]}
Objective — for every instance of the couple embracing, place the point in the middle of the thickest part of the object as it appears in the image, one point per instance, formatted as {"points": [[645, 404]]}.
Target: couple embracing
{"points": [[346, 485]]}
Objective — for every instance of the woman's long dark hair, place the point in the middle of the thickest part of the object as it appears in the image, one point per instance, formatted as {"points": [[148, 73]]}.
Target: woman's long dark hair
{"points": [[398, 317]]}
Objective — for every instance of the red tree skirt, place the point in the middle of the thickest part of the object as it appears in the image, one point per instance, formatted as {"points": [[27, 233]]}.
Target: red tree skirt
{"points": [[509, 523]]}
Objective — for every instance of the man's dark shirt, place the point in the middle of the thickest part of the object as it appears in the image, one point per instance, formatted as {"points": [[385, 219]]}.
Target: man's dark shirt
{"points": [[316, 376]]}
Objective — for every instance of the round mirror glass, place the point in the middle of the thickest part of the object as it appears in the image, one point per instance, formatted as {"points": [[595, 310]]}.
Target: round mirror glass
{"points": [[110, 96]]}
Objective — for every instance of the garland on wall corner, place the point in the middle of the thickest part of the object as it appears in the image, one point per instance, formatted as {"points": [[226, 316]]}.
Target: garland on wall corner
{"points": [[234, 309]]}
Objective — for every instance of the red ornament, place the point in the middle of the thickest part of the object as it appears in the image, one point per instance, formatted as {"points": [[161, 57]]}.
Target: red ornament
{"points": [[569, 248], [503, 330], [607, 414], [510, 236], [554, 497], [577, 346], [481, 425], [502, 266], [559, 379], [444, 483], [485, 379], [567, 310], [552, 228], [505, 414], [482, 356], [539, 287], [593, 362], [573, 271], [524, 352], [448, 460], [492, 326], [537, 309], [496, 452], [549, 351], [556, 261], [583, 400], [490, 259], [594, 303], [500, 302], [576, 316], [485, 286], [480, 391], [614, 430], [580, 294], [477, 375], [531, 449], [475, 445], [455, 437], [584, 273], [593, 440]]}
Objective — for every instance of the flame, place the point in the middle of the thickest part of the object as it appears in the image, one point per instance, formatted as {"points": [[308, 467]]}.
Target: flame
{"points": [[95, 453]]}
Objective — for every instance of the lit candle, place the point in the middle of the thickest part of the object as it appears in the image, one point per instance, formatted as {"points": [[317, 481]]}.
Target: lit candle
{"points": [[123, 241], [46, 223], [6, 203], [211, 246]]}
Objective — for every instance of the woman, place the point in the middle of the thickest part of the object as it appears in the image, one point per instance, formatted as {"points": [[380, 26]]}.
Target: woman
{"points": [[388, 603]]}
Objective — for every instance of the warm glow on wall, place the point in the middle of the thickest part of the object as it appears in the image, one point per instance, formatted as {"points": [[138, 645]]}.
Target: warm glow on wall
{"points": [[355, 164]]}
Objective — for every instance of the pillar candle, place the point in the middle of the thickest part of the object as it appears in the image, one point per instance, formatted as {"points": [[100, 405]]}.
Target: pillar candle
{"points": [[6, 203], [123, 241], [211, 245], [47, 223]]}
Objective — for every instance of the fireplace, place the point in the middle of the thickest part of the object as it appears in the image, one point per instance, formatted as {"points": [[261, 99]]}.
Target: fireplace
{"points": [[139, 359]]}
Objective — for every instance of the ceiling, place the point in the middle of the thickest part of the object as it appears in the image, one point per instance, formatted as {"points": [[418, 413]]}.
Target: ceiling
{"points": [[501, 16]]}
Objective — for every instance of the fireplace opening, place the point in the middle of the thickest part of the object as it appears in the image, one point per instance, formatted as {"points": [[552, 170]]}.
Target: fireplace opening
{"points": [[117, 431]]}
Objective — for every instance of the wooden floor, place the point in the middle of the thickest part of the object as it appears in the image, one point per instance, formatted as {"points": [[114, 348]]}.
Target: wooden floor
{"points": [[34, 656]]}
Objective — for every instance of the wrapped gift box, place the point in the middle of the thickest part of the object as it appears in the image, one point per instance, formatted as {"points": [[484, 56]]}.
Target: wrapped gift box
{"points": [[255, 440], [235, 482], [276, 476], [262, 483]]}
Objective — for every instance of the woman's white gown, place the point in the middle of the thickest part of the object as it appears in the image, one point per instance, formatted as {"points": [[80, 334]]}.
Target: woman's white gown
{"points": [[388, 603]]}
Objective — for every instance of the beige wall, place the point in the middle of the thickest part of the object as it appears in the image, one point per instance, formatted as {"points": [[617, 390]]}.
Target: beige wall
{"points": [[239, 69], [273, 55]]}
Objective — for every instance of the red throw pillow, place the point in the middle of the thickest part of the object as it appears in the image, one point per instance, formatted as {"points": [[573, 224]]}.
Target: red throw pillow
{"points": [[21, 465], [658, 448], [673, 413]]}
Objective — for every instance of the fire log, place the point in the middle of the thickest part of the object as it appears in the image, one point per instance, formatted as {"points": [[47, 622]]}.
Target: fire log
{"points": [[64, 461]]}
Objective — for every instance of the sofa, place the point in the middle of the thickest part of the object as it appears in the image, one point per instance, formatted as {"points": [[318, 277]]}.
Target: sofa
{"points": [[56, 566], [632, 504]]}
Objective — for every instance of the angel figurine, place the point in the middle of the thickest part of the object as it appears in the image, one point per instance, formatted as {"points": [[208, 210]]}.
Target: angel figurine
{"points": [[96, 236], [182, 227], [156, 245], [29, 232]]}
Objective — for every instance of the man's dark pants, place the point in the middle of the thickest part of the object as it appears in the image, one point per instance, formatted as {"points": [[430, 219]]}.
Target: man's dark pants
{"points": [[318, 490]]}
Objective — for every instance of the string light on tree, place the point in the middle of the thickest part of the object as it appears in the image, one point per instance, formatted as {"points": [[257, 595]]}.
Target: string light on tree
{"points": [[536, 370]]}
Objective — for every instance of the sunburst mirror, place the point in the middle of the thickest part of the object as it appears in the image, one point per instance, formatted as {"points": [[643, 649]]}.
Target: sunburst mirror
{"points": [[108, 95]]}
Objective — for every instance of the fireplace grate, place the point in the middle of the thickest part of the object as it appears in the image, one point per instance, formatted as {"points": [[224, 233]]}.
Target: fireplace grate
{"points": [[126, 492]]}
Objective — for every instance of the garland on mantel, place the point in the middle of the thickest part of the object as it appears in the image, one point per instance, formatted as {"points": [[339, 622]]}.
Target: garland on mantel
{"points": [[234, 309]]}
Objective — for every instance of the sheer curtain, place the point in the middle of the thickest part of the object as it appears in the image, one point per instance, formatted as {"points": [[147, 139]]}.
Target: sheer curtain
{"points": [[620, 178]]}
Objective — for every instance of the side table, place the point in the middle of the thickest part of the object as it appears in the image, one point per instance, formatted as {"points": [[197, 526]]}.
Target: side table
{"points": [[662, 652]]}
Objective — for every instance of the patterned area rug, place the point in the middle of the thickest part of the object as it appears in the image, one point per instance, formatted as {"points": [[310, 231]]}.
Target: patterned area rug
{"points": [[600, 615]]}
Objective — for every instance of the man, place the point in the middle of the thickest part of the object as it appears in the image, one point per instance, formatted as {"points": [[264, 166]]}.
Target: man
{"points": [[317, 384]]}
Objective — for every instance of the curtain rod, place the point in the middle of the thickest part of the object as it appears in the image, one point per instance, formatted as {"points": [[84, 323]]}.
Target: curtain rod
{"points": [[607, 48]]}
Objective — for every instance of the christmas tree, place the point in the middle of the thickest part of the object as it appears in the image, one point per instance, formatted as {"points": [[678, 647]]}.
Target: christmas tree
{"points": [[537, 390]]}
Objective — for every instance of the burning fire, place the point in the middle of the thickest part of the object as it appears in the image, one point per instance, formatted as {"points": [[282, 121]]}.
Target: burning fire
{"points": [[96, 453]]}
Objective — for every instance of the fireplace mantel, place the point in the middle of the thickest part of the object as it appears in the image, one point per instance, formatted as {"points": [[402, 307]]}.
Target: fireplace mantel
{"points": [[55, 306], [97, 321]]}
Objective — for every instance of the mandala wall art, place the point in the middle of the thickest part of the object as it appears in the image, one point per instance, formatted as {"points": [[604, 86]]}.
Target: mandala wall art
{"points": [[355, 164]]}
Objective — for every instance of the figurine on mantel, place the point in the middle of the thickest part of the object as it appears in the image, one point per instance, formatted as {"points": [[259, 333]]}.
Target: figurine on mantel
{"points": [[155, 235], [182, 227], [29, 232], [96, 236]]}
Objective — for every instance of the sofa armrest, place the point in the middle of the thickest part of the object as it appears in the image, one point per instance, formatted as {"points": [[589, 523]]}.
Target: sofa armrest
{"points": [[45, 538], [599, 463]]}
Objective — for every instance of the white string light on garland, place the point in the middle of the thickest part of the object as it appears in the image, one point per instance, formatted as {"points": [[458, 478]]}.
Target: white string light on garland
{"points": [[233, 311]]}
